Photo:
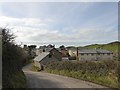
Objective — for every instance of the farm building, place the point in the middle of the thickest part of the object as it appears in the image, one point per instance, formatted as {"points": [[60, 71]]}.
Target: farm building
{"points": [[44, 57], [91, 54], [45, 48]]}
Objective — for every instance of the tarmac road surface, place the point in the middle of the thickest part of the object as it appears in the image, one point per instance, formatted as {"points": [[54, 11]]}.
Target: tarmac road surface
{"points": [[46, 80]]}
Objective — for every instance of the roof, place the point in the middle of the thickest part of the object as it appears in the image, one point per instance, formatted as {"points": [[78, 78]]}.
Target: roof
{"points": [[87, 51], [72, 49], [94, 51], [103, 51], [48, 49], [41, 56], [58, 49]]}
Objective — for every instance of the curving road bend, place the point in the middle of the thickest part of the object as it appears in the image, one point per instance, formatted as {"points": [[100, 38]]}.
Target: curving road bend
{"points": [[46, 80]]}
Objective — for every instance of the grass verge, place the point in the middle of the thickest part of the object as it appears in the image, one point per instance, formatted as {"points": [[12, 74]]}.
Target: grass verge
{"points": [[34, 68], [18, 80], [109, 81], [101, 72]]}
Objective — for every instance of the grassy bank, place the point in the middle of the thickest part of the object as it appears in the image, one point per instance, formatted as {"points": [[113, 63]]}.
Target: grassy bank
{"points": [[18, 80], [34, 68], [110, 81], [101, 72]]}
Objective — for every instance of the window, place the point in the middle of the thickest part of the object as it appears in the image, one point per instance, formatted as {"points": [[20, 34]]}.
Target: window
{"points": [[98, 53], [50, 56], [108, 53], [82, 54], [92, 54], [43, 50]]}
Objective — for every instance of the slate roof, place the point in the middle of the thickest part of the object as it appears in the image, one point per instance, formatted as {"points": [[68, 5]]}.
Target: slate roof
{"points": [[58, 49], [48, 49], [87, 51], [41, 56], [103, 51], [94, 51]]}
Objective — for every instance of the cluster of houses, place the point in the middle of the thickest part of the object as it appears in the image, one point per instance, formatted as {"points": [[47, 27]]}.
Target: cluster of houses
{"points": [[50, 53]]}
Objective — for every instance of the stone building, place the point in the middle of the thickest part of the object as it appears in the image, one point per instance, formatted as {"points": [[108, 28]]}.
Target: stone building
{"points": [[91, 54], [50, 55]]}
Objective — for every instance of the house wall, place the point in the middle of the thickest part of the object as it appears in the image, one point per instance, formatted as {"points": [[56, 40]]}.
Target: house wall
{"points": [[87, 57], [64, 53], [37, 64], [96, 57], [44, 61], [72, 53], [47, 59], [41, 50], [37, 52], [105, 57], [56, 54]]}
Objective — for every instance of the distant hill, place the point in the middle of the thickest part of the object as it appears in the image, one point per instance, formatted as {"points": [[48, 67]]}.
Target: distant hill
{"points": [[74, 47], [70, 47], [113, 46]]}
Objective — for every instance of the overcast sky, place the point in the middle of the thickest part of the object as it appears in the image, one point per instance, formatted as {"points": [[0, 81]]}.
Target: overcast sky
{"points": [[61, 23]]}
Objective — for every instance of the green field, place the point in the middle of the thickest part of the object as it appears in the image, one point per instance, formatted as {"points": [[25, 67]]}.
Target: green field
{"points": [[114, 46]]}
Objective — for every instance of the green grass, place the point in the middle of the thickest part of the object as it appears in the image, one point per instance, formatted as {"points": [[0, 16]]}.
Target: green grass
{"points": [[103, 72], [34, 68], [110, 46], [109, 81], [93, 46], [18, 80]]}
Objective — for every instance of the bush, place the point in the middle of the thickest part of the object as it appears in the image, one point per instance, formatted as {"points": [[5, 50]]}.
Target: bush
{"points": [[100, 67], [13, 57], [102, 72]]}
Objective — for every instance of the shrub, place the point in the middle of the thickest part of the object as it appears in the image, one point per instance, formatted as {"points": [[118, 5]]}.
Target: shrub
{"points": [[101, 72], [13, 57]]}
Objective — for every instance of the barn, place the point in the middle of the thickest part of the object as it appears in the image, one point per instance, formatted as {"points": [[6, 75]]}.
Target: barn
{"points": [[91, 54]]}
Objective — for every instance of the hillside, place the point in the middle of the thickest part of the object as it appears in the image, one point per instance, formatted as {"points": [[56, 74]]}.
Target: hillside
{"points": [[113, 46]]}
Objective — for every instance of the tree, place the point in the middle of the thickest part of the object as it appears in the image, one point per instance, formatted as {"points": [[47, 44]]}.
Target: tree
{"points": [[32, 46], [62, 47], [12, 58], [7, 37], [32, 52]]}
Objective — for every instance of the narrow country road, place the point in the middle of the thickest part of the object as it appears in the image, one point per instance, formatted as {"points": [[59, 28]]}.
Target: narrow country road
{"points": [[46, 80]]}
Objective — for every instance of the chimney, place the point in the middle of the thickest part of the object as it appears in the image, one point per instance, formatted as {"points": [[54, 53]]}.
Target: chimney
{"points": [[54, 45], [77, 51], [77, 56]]}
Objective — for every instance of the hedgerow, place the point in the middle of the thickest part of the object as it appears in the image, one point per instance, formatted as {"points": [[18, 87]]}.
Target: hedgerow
{"points": [[103, 72]]}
